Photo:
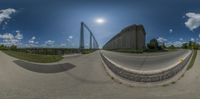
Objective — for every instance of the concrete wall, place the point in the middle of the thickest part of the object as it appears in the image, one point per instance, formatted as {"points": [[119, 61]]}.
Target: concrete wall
{"points": [[132, 37]]}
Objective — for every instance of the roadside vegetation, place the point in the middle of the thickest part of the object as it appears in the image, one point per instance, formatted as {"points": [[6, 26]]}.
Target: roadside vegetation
{"points": [[34, 57], [28, 56], [192, 59], [155, 46], [88, 51], [41, 55], [194, 46]]}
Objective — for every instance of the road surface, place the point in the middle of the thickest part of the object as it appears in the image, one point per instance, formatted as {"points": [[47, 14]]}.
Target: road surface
{"points": [[146, 61], [84, 79]]}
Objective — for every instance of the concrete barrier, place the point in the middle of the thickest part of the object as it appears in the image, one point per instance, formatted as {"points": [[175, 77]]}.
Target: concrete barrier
{"points": [[145, 76]]}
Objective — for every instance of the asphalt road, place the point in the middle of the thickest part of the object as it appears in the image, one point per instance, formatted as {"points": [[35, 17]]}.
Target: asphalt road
{"points": [[146, 61], [83, 77]]}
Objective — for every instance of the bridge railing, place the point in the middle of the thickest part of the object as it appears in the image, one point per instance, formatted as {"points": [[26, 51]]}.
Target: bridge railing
{"points": [[93, 44]]}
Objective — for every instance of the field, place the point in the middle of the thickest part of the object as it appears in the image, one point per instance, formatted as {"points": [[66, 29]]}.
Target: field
{"points": [[34, 57]]}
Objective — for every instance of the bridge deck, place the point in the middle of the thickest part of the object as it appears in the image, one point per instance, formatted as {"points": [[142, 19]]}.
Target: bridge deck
{"points": [[146, 61]]}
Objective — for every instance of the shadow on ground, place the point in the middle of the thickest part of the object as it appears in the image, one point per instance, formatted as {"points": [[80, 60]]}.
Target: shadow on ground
{"points": [[55, 68]]}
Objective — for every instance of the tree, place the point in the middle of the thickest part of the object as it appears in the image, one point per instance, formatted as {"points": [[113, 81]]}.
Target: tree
{"points": [[153, 44], [191, 44], [162, 46], [13, 47], [2, 47], [172, 47], [185, 45], [195, 46]]}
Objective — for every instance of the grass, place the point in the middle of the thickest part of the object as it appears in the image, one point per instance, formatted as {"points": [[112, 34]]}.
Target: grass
{"points": [[34, 57], [192, 60], [173, 82], [87, 51], [165, 85]]}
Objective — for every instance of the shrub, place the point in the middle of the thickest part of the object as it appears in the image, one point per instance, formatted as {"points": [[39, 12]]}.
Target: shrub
{"points": [[13, 47]]}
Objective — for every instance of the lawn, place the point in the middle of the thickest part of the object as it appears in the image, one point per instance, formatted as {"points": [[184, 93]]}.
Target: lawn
{"points": [[192, 60], [34, 57]]}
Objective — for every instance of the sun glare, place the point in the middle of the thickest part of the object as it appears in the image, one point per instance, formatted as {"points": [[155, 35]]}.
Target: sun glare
{"points": [[100, 20]]}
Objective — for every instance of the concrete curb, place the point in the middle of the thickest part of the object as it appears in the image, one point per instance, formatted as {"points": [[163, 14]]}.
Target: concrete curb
{"points": [[146, 78]]}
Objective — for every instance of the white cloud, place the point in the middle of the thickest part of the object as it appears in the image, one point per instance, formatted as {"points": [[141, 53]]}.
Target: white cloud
{"points": [[32, 40], [171, 30], [178, 43], [175, 43], [192, 39], [7, 36], [9, 39], [161, 39], [70, 37], [63, 45], [49, 43], [181, 39], [6, 14], [193, 21], [199, 35], [19, 36]]}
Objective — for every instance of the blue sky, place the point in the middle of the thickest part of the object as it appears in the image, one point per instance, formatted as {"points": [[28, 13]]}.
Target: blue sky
{"points": [[56, 23]]}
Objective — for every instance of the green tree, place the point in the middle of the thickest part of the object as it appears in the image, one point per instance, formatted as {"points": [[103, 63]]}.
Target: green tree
{"points": [[2, 47], [163, 46], [153, 44], [185, 45], [190, 44], [172, 47], [195, 46], [13, 47]]}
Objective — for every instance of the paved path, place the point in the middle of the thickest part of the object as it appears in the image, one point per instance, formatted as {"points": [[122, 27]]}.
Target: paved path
{"points": [[86, 80], [146, 61]]}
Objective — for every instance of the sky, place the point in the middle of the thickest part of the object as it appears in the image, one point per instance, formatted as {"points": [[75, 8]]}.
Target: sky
{"points": [[56, 23]]}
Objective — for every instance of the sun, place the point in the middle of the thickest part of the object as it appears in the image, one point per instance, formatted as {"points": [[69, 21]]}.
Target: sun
{"points": [[100, 20]]}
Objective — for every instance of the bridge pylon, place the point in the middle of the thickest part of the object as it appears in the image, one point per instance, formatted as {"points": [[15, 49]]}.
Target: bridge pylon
{"points": [[93, 42]]}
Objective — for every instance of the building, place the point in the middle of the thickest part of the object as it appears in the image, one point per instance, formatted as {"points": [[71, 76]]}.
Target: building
{"points": [[132, 37]]}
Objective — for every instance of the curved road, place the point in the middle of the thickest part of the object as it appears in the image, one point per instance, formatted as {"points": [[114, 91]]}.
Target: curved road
{"points": [[146, 61], [84, 77]]}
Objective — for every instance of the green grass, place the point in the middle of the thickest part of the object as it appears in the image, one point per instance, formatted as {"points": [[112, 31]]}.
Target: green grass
{"points": [[87, 51], [173, 82], [165, 85], [34, 57], [192, 60]]}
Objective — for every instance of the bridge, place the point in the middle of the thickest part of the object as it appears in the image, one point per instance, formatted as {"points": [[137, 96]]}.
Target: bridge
{"points": [[93, 42], [146, 68], [101, 74]]}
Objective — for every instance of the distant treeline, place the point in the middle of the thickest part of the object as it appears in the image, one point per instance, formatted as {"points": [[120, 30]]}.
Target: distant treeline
{"points": [[47, 51], [154, 45], [43, 51]]}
